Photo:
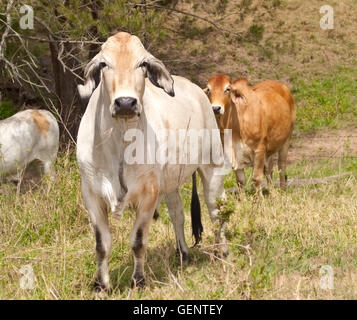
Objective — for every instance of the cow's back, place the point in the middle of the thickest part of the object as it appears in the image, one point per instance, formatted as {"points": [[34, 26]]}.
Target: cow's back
{"points": [[26, 136], [278, 110], [189, 110], [190, 104], [271, 89]]}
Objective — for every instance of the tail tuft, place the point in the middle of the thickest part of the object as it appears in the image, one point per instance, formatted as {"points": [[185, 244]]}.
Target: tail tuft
{"points": [[196, 222], [156, 215]]}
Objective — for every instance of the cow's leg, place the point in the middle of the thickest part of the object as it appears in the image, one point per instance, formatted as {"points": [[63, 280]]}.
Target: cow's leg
{"points": [[174, 205], [99, 217], [282, 159], [48, 169], [259, 159], [140, 234], [156, 213], [47, 161], [213, 189], [240, 177], [268, 171]]}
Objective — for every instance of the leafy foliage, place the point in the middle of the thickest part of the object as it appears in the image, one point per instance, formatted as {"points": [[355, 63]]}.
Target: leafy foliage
{"points": [[6, 109]]}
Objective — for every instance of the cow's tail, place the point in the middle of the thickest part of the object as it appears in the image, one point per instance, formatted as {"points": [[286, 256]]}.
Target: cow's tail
{"points": [[197, 227], [156, 214]]}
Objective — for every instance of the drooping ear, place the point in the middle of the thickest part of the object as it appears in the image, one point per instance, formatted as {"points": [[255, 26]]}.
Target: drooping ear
{"points": [[237, 96], [92, 75], [206, 91], [159, 75], [240, 90]]}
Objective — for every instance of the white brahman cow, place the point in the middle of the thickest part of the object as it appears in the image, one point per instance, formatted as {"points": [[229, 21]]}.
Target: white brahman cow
{"points": [[26, 136], [130, 91]]}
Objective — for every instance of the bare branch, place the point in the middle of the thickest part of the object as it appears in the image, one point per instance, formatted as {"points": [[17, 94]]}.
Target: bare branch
{"points": [[7, 29], [173, 9]]}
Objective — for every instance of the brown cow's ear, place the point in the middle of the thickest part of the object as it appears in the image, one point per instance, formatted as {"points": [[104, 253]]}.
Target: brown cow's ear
{"points": [[92, 76], [237, 96], [159, 75]]}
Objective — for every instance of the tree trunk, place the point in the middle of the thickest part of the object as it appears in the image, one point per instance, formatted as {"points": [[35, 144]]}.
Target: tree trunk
{"points": [[69, 106]]}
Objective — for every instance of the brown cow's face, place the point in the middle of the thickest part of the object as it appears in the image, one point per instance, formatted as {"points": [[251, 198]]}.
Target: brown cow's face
{"points": [[218, 91], [122, 65]]}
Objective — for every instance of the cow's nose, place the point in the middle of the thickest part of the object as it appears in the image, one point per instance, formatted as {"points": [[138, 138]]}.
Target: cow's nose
{"points": [[126, 102], [125, 106], [216, 109]]}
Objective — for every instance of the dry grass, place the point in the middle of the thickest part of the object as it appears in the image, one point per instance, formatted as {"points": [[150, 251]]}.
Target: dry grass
{"points": [[277, 39], [277, 246], [287, 237]]}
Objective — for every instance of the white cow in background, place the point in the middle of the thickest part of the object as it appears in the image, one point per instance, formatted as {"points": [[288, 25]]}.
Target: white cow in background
{"points": [[26, 136]]}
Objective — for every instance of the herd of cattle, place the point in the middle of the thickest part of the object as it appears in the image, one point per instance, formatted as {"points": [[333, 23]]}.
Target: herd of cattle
{"points": [[126, 87]]}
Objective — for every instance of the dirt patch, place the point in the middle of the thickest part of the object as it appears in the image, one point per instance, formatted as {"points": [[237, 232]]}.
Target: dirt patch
{"points": [[323, 145]]}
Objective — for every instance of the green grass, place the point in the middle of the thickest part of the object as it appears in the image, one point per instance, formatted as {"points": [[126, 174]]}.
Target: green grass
{"points": [[287, 238], [327, 101]]}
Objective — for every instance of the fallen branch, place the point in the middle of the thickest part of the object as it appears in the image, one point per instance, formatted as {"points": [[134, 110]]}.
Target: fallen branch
{"points": [[303, 181], [310, 181]]}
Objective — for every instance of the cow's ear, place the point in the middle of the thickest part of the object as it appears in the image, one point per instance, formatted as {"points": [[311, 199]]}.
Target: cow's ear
{"points": [[206, 91], [237, 96], [159, 75], [92, 74]]}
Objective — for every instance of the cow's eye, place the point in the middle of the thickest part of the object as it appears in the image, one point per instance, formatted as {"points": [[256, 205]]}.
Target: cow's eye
{"points": [[227, 90]]}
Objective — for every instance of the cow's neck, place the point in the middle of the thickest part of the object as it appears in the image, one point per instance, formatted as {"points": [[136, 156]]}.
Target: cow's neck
{"points": [[230, 120]]}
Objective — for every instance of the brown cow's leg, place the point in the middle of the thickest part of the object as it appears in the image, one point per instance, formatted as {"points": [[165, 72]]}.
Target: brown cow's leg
{"points": [[268, 171], [240, 177], [283, 156], [259, 159]]}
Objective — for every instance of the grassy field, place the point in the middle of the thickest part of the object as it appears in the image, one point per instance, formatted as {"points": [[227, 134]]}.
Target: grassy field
{"points": [[277, 246]]}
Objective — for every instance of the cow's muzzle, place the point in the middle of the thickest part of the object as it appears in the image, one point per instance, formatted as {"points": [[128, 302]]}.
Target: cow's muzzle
{"points": [[125, 107], [217, 109]]}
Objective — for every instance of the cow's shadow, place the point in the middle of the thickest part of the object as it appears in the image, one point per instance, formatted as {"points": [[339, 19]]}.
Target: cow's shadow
{"points": [[28, 179], [161, 266]]}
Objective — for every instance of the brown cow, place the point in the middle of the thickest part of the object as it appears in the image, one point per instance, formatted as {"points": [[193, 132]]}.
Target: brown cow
{"points": [[261, 118]]}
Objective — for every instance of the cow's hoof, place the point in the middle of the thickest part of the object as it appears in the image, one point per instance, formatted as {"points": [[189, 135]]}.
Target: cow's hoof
{"points": [[101, 295], [101, 291], [184, 256], [138, 282], [222, 253]]}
